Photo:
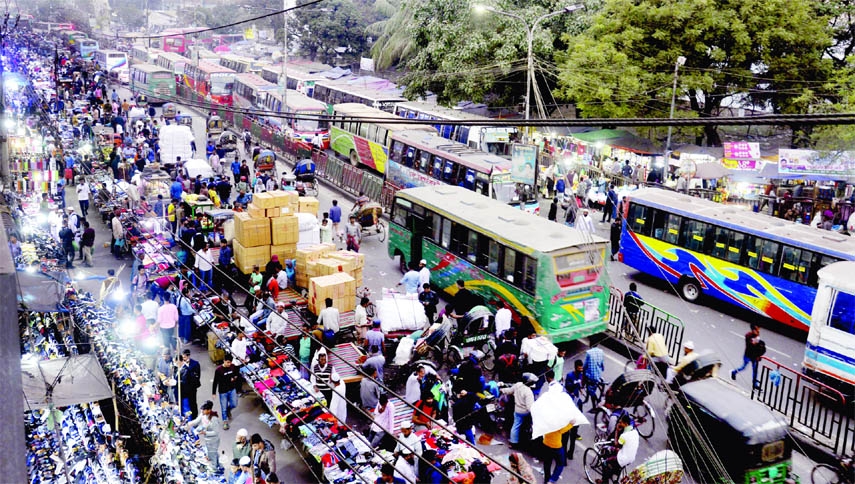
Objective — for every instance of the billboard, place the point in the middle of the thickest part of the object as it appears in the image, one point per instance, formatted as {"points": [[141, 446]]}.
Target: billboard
{"points": [[523, 162], [810, 162]]}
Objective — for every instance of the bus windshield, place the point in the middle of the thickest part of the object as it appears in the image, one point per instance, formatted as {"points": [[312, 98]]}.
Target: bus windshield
{"points": [[505, 191], [221, 85], [305, 124]]}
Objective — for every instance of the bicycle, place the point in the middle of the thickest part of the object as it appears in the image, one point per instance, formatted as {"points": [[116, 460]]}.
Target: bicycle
{"points": [[594, 463], [841, 473], [371, 309], [641, 414], [585, 396]]}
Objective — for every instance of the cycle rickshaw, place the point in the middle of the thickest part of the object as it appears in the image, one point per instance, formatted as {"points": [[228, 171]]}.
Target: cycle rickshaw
{"points": [[628, 394], [370, 217]]}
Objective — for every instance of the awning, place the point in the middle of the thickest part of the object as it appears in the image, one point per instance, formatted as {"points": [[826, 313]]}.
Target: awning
{"points": [[38, 292], [63, 381], [618, 138]]}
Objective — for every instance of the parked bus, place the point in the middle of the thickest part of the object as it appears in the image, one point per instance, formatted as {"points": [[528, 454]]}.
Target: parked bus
{"points": [[370, 91], [175, 40], [241, 64], [211, 81], [115, 63], [87, 48], [71, 37], [221, 40], [421, 158], [550, 273], [249, 90], [365, 143], [198, 52], [492, 139], [831, 340], [174, 63], [140, 54], [301, 78], [156, 83], [312, 115], [748, 259]]}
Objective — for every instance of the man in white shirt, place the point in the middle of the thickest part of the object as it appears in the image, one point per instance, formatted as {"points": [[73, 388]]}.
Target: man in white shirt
{"points": [[538, 352], [408, 441], [503, 320], [276, 322], [384, 420], [282, 280], [414, 385], [360, 319], [424, 275], [149, 310], [83, 191], [329, 317], [585, 222], [405, 466], [239, 348], [627, 448]]}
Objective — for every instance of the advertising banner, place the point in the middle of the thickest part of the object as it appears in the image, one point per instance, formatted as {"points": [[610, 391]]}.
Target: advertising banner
{"points": [[741, 150], [523, 161], [810, 162]]}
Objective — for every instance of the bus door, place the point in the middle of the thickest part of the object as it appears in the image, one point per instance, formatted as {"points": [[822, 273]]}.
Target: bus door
{"points": [[416, 225]]}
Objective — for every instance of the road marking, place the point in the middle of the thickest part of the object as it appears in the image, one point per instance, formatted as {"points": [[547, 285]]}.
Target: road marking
{"points": [[613, 358], [741, 336]]}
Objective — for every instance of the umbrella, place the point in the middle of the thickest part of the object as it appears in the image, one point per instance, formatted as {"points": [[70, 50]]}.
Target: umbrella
{"points": [[710, 171], [553, 411]]}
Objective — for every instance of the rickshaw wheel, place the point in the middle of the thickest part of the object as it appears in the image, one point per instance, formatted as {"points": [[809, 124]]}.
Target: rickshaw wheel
{"points": [[644, 420], [601, 423], [437, 357], [381, 230], [453, 357], [593, 465], [488, 362]]}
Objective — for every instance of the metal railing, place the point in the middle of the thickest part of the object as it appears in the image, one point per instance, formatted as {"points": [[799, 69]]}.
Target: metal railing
{"points": [[635, 332], [812, 408]]}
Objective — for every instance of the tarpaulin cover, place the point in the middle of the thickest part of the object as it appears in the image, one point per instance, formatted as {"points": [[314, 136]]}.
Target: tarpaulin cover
{"points": [[38, 292], [618, 138], [75, 380]]}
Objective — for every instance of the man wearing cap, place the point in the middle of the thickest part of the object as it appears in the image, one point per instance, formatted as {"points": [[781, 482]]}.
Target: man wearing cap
{"points": [[375, 337], [424, 274], [245, 473], [405, 466], [689, 355], [408, 441], [226, 380], [523, 400], [241, 446], [338, 404]]}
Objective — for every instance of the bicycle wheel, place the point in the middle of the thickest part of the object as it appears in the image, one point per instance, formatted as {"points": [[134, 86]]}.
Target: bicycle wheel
{"points": [[593, 465], [824, 474], [645, 419], [601, 424], [629, 366]]}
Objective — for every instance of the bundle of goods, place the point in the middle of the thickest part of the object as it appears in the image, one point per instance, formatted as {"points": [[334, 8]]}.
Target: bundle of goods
{"points": [[400, 312]]}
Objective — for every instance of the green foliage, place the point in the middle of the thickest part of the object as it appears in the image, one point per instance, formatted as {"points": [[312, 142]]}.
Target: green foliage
{"points": [[328, 26], [837, 137], [767, 52]]}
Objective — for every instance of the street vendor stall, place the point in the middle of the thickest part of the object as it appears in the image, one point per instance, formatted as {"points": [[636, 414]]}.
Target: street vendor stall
{"points": [[194, 204]]}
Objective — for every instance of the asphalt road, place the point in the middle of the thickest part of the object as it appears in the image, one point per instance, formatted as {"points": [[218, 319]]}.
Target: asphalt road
{"points": [[708, 324]]}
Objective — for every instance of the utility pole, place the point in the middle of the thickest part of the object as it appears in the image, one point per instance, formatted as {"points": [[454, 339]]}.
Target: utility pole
{"points": [[283, 81]]}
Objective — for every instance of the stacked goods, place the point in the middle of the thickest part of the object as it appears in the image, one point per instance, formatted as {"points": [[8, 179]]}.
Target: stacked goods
{"points": [[339, 287], [251, 232], [309, 205], [356, 262], [264, 200], [307, 255], [285, 230], [320, 260], [285, 199], [246, 257], [255, 212]]}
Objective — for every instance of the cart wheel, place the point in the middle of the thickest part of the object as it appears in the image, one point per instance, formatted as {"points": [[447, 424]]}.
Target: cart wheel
{"points": [[381, 230], [593, 465]]}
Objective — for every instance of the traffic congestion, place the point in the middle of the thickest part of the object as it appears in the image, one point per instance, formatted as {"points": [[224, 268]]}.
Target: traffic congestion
{"points": [[374, 299]]}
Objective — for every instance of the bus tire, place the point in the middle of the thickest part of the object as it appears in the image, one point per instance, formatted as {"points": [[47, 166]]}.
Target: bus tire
{"points": [[354, 158], [690, 289], [402, 262]]}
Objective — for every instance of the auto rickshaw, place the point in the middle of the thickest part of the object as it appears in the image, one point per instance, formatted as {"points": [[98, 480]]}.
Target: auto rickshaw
{"points": [[215, 126], [265, 161], [184, 120], [170, 110], [142, 101], [753, 443]]}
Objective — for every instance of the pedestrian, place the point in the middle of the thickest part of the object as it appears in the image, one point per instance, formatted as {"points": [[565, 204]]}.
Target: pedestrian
{"points": [[338, 405], [66, 237], [335, 218], [594, 367], [570, 215], [754, 349], [227, 380], [553, 210], [632, 303], [585, 222], [360, 319], [241, 447], [410, 281], [376, 338], [384, 421], [614, 237], [83, 191], [429, 300], [239, 348], [610, 208], [375, 359], [554, 454], [326, 231], [322, 371], [523, 400], [190, 379], [185, 316], [329, 319], [260, 455], [224, 262], [369, 390], [205, 265], [207, 426], [353, 234], [118, 242], [424, 274]]}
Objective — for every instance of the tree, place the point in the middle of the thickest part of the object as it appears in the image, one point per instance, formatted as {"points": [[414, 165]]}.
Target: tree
{"points": [[332, 32], [766, 52]]}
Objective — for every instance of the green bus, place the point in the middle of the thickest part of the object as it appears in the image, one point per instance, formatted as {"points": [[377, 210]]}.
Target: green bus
{"points": [[548, 272], [155, 82]]}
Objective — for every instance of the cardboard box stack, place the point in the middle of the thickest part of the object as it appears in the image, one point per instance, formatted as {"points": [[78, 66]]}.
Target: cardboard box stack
{"points": [[267, 228], [309, 205], [306, 256], [340, 287]]}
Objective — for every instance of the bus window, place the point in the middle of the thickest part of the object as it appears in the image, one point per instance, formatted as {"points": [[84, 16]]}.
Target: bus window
{"points": [[382, 135], [530, 275], [482, 184], [436, 224], [446, 233], [401, 211], [666, 226], [819, 262], [469, 179], [795, 264], [694, 234], [720, 240], [637, 219], [437, 168], [510, 266], [472, 246], [842, 310], [493, 256], [448, 172], [424, 162], [409, 155], [762, 255]]}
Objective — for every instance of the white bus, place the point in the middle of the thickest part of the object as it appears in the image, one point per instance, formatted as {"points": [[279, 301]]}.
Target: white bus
{"points": [[115, 63], [492, 139]]}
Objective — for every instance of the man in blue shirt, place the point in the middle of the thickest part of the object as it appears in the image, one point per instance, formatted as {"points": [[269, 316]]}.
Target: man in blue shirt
{"points": [[158, 206], [335, 218], [176, 190], [594, 367], [224, 261], [410, 281], [236, 169], [387, 475]]}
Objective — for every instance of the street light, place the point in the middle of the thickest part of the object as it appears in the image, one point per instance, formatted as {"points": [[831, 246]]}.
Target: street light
{"points": [[530, 31], [680, 61]]}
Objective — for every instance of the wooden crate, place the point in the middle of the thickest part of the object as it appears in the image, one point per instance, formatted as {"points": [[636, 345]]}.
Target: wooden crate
{"points": [[246, 257], [251, 232], [285, 230]]}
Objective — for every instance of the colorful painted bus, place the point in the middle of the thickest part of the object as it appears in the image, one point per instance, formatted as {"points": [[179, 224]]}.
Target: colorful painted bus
{"points": [[156, 83], [550, 273], [301, 77], [175, 40], [249, 90], [371, 91], [365, 139], [830, 348], [87, 48], [748, 259], [114, 62], [212, 81], [492, 139], [311, 115], [421, 158]]}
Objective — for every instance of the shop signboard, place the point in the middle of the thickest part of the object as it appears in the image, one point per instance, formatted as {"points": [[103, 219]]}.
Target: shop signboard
{"points": [[810, 162], [523, 163], [737, 164], [741, 150]]}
